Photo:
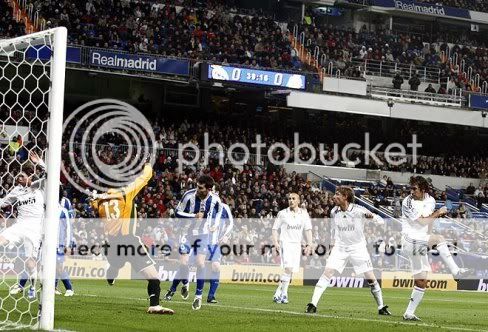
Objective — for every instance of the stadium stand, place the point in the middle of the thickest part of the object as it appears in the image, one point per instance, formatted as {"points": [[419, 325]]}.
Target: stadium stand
{"points": [[9, 27], [476, 5], [211, 33]]}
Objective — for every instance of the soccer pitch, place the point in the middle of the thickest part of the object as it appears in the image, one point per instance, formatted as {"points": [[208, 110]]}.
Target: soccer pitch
{"points": [[99, 307]]}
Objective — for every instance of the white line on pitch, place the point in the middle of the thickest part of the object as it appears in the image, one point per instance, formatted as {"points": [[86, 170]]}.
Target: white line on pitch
{"points": [[292, 290], [389, 322]]}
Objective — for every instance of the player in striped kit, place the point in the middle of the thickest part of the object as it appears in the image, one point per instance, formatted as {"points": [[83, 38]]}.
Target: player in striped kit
{"points": [[291, 222], [349, 245], [28, 198], [65, 242], [199, 207], [418, 215], [219, 234]]}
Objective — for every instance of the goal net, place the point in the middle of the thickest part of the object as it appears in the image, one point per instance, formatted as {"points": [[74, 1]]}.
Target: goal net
{"points": [[32, 72]]}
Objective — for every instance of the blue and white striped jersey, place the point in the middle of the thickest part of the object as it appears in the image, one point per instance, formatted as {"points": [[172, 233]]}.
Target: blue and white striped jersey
{"points": [[224, 223], [190, 204]]}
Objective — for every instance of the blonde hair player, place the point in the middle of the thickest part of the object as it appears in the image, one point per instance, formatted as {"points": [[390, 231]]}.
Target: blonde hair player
{"points": [[349, 244], [291, 223]]}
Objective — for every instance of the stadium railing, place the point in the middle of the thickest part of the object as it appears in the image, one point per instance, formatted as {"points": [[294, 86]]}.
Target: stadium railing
{"points": [[418, 97], [389, 69]]}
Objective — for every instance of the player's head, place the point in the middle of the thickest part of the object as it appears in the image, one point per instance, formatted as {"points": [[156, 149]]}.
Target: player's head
{"points": [[418, 186], [25, 176], [204, 185], [343, 194], [293, 200]]}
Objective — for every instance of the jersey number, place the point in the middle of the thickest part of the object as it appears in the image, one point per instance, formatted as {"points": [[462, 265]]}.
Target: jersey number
{"points": [[115, 214]]}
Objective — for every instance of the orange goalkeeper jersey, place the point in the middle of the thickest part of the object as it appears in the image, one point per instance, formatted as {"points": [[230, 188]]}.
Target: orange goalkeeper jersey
{"points": [[117, 208]]}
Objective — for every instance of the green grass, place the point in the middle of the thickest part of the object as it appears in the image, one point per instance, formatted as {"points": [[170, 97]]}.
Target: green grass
{"points": [[98, 307]]}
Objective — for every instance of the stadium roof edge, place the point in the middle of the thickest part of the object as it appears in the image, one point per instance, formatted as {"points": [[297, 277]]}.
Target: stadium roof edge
{"points": [[374, 107]]}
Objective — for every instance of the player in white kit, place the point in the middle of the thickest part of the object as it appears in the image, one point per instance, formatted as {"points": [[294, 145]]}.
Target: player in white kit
{"points": [[349, 244], [28, 198], [418, 214], [291, 223]]}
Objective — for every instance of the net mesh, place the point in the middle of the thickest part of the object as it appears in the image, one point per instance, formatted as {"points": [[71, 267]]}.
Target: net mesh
{"points": [[25, 83]]}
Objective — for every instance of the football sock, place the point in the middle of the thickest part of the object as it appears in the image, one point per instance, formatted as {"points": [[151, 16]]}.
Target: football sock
{"points": [[214, 283], [154, 291], [184, 274], [277, 293], [320, 288], [181, 276], [415, 299], [377, 293], [285, 282], [447, 257], [66, 281], [23, 279], [200, 281]]}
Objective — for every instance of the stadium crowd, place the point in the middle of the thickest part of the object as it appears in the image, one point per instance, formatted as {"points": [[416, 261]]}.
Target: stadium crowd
{"points": [[476, 5], [215, 32], [220, 31], [9, 27], [347, 49]]}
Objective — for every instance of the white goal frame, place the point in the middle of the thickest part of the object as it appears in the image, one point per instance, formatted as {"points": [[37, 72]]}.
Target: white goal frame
{"points": [[53, 160]]}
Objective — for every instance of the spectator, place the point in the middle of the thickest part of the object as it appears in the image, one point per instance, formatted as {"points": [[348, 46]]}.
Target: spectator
{"points": [[397, 81], [470, 189], [414, 82], [430, 89]]}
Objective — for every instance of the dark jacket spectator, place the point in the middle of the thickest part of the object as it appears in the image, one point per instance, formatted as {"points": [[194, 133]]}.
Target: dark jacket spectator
{"points": [[430, 89], [414, 83], [397, 81]]}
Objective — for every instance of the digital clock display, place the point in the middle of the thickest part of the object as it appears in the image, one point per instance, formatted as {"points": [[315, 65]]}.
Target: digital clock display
{"points": [[253, 76]]}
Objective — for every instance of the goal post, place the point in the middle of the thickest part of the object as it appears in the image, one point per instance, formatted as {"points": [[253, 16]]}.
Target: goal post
{"points": [[53, 165], [32, 80]]}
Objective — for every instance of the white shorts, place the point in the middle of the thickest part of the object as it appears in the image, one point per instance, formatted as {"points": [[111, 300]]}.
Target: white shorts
{"points": [[359, 258], [417, 251], [290, 255], [22, 233]]}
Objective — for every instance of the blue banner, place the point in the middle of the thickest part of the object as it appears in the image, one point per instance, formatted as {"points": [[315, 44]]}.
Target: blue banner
{"points": [[254, 76], [479, 102], [73, 54], [423, 8], [136, 62]]}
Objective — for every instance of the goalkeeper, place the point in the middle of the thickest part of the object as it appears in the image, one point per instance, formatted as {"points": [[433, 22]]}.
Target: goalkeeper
{"points": [[117, 210]]}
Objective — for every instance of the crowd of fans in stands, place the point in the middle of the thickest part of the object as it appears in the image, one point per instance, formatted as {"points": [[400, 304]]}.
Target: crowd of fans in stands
{"points": [[195, 32], [222, 32], [476, 5], [344, 47], [9, 27]]}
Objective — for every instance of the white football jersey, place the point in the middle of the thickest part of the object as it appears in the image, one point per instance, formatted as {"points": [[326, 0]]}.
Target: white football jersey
{"points": [[411, 211], [348, 226], [29, 202], [292, 224]]}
